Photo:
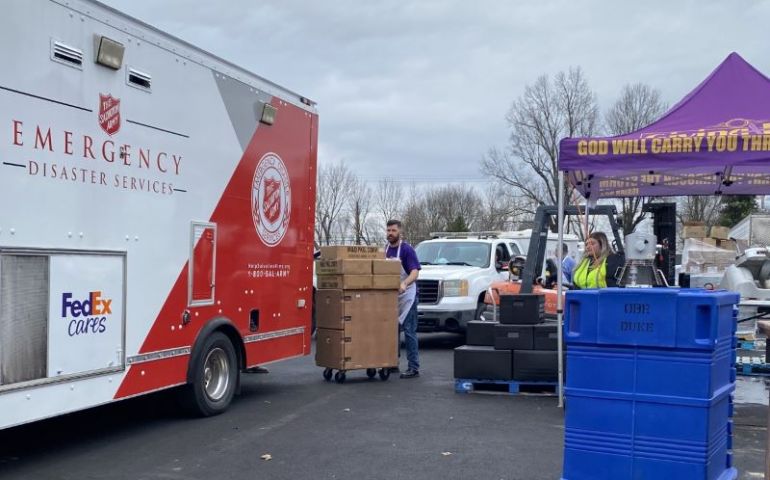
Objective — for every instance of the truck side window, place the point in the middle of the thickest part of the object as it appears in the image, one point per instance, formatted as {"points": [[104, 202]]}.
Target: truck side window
{"points": [[502, 257], [514, 249]]}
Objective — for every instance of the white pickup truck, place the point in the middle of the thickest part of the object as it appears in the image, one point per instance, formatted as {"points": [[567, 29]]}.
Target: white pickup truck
{"points": [[457, 270]]}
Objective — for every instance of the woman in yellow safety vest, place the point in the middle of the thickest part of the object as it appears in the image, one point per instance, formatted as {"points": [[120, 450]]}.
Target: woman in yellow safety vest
{"points": [[592, 271]]}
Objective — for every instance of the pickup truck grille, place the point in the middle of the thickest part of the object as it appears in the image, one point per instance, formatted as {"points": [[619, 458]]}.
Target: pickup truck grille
{"points": [[428, 291]]}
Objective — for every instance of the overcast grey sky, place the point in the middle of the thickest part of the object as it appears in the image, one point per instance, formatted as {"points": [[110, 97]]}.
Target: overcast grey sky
{"points": [[419, 89]]}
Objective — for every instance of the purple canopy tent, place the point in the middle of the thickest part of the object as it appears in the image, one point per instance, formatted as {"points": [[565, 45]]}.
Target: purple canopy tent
{"points": [[715, 141]]}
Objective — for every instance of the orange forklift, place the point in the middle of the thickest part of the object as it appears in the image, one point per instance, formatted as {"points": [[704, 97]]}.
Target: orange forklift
{"points": [[526, 273]]}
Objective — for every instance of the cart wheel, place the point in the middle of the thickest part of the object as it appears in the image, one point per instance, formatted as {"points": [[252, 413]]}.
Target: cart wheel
{"points": [[327, 374], [384, 374], [371, 372], [339, 377]]}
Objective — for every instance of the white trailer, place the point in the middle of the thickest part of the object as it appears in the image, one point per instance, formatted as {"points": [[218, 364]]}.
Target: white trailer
{"points": [[156, 214]]}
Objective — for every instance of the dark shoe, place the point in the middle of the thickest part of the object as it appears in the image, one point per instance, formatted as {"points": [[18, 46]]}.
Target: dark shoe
{"points": [[410, 374], [394, 370]]}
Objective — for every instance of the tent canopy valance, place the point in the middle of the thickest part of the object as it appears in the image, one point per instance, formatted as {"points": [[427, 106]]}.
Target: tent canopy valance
{"points": [[715, 141]]}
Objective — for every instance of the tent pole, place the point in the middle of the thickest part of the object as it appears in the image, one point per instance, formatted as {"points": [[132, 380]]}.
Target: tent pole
{"points": [[560, 286]]}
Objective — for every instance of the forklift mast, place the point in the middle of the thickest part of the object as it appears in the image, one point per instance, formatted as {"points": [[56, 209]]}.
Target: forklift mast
{"points": [[664, 229], [545, 216]]}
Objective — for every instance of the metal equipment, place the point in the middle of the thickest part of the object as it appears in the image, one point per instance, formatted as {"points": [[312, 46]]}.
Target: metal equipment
{"points": [[750, 276], [639, 269]]}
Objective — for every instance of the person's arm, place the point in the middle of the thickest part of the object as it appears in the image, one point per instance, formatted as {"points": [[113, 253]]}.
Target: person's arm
{"points": [[409, 280], [411, 264]]}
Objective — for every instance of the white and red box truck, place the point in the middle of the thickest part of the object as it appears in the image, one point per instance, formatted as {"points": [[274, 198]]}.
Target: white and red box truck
{"points": [[156, 214]]}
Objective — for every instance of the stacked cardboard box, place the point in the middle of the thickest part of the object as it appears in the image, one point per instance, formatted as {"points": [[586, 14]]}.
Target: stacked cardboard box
{"points": [[707, 255], [520, 347], [356, 308]]}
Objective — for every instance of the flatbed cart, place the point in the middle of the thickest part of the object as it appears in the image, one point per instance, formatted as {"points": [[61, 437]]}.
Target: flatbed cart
{"points": [[341, 375]]}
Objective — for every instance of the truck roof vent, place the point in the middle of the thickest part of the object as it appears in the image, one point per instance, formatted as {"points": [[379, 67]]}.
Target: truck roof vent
{"points": [[67, 55], [139, 79]]}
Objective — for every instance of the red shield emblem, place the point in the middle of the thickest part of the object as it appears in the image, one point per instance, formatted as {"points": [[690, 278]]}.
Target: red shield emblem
{"points": [[271, 205], [109, 114]]}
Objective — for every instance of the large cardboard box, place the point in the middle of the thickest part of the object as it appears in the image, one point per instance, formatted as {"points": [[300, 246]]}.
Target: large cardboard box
{"points": [[343, 267], [345, 282], [694, 230], [730, 245], [334, 349], [386, 267], [386, 282], [355, 311], [709, 241], [340, 252], [720, 233]]}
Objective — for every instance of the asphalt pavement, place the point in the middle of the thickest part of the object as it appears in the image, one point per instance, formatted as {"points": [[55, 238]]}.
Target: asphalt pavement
{"points": [[291, 424]]}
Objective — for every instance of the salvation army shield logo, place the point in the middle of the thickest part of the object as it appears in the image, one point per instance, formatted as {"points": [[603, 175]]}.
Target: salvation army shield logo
{"points": [[109, 114], [271, 199], [271, 205]]}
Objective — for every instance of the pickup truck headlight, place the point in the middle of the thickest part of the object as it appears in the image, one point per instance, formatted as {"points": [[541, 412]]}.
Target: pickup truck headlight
{"points": [[456, 288]]}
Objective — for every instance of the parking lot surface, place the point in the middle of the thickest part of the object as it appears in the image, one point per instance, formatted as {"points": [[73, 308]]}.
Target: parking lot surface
{"points": [[290, 424]]}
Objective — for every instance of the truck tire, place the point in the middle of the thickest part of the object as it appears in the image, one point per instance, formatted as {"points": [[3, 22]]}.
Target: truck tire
{"points": [[214, 377]]}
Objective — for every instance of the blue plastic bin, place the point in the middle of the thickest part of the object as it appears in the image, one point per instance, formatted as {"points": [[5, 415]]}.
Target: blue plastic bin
{"points": [[648, 394]]}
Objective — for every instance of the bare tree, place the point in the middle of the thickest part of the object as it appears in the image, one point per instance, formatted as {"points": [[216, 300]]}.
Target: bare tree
{"points": [[699, 209], [415, 217], [638, 106], [389, 198], [332, 193], [548, 111], [503, 209], [359, 203]]}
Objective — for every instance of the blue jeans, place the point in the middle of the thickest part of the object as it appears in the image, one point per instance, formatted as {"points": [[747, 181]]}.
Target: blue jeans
{"points": [[410, 338]]}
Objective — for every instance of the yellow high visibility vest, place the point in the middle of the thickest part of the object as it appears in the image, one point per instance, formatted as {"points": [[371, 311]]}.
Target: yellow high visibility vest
{"points": [[583, 277]]}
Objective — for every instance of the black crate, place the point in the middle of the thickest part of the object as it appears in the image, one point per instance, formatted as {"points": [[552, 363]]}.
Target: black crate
{"points": [[483, 363], [535, 366], [480, 333], [545, 337], [522, 309], [514, 337]]}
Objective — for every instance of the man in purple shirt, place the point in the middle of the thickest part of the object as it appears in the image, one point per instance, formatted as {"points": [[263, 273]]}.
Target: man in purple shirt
{"points": [[398, 250]]}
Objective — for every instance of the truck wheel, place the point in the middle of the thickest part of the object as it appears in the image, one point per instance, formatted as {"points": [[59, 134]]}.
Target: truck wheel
{"points": [[215, 375], [371, 372], [327, 374]]}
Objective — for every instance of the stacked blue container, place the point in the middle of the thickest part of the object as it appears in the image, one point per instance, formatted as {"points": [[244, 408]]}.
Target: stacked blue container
{"points": [[650, 376]]}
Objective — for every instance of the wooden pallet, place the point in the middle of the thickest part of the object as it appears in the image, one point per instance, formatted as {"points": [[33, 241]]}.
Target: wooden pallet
{"points": [[507, 387], [754, 366]]}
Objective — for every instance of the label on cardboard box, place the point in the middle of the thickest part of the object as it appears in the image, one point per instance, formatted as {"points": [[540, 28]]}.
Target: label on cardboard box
{"points": [[386, 267], [343, 267], [339, 252], [345, 282]]}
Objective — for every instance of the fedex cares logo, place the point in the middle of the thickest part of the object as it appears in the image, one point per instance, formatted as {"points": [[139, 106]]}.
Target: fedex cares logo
{"points": [[87, 316]]}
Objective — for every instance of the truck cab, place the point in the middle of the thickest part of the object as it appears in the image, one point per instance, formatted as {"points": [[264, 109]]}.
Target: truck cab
{"points": [[457, 270]]}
